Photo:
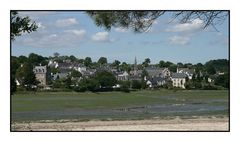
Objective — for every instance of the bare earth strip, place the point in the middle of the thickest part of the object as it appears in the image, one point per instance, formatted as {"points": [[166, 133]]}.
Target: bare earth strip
{"points": [[177, 124]]}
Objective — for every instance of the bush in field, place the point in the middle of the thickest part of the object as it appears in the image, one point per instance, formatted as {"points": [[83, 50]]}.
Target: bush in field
{"points": [[124, 86], [106, 79], [136, 84], [80, 88], [92, 84]]}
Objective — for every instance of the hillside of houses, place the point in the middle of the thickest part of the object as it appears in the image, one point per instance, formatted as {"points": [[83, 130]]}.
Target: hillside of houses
{"points": [[70, 73]]}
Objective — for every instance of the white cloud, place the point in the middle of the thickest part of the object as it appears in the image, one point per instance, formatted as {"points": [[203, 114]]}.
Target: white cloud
{"points": [[66, 22], [179, 40], [52, 36], [121, 30], [70, 38], [192, 26], [34, 15], [101, 37], [80, 33]]}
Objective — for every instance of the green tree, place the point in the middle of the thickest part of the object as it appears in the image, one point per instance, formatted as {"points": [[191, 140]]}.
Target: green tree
{"points": [[168, 64], [102, 60], [36, 59], [125, 87], [73, 58], [75, 73], [22, 59], [161, 64], [211, 70], [116, 63], [68, 82], [26, 76], [56, 55], [54, 70], [180, 65], [20, 25], [125, 67], [141, 21], [146, 62], [223, 80], [13, 84], [106, 79], [14, 66], [87, 61], [173, 68], [144, 74], [136, 84], [92, 84]]}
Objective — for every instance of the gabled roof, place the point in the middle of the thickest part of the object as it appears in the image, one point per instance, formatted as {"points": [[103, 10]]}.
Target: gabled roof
{"points": [[186, 70], [40, 69], [178, 75], [155, 80]]}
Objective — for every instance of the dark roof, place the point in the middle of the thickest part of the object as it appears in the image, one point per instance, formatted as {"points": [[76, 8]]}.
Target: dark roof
{"points": [[186, 70], [155, 80], [133, 77], [178, 75], [63, 70], [64, 65]]}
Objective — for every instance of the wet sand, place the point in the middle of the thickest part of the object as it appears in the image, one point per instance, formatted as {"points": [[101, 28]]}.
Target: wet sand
{"points": [[176, 124]]}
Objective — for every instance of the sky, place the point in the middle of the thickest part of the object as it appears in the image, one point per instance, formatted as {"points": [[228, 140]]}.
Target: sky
{"points": [[74, 33]]}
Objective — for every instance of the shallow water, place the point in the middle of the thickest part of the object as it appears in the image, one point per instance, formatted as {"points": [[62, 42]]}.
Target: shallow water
{"points": [[133, 112]]}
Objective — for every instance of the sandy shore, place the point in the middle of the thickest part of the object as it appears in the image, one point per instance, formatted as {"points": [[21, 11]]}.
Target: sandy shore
{"points": [[177, 124]]}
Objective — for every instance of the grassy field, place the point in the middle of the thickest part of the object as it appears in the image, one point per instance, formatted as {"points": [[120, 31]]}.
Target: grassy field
{"points": [[28, 106]]}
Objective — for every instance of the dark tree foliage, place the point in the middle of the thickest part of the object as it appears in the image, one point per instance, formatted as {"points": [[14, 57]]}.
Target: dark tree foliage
{"points": [[87, 61], [173, 68], [180, 65], [125, 67], [146, 62], [14, 66], [219, 65], [20, 25], [36, 59], [75, 73], [116, 63], [102, 60], [144, 74], [223, 80], [22, 59], [68, 82], [106, 79], [26, 76], [136, 84], [141, 21], [210, 70], [92, 84], [56, 55], [13, 84]]}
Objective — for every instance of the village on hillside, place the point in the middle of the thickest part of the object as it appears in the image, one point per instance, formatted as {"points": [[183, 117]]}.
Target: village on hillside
{"points": [[82, 75]]}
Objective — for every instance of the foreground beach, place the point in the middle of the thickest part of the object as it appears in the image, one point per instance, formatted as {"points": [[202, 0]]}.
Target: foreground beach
{"points": [[176, 124]]}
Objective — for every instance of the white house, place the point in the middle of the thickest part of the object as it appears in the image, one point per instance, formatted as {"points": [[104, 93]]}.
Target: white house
{"points": [[179, 80], [123, 76]]}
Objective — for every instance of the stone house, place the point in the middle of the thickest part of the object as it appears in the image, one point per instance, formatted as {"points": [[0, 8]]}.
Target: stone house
{"points": [[178, 80], [41, 74]]}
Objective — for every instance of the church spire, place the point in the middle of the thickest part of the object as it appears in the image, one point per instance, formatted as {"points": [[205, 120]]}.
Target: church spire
{"points": [[135, 63]]}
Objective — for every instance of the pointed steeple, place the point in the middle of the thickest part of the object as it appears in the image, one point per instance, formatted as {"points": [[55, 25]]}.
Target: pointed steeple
{"points": [[135, 63]]}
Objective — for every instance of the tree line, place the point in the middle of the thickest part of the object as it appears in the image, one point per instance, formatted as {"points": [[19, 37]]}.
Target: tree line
{"points": [[22, 69]]}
